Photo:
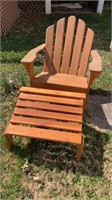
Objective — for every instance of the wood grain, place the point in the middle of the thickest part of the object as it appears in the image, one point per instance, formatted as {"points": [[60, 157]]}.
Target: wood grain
{"points": [[45, 123], [86, 53], [40, 133], [74, 95], [50, 107], [48, 115], [57, 100], [61, 80], [58, 44], [49, 49], [77, 47], [68, 44]]}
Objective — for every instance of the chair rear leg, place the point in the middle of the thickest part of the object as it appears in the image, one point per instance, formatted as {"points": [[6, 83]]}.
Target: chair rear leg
{"points": [[80, 149], [9, 141]]}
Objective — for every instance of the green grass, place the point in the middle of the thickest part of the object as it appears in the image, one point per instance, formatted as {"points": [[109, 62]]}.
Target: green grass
{"points": [[47, 170]]}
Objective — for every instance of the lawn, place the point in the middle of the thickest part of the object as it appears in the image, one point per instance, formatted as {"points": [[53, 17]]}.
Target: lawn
{"points": [[38, 170]]}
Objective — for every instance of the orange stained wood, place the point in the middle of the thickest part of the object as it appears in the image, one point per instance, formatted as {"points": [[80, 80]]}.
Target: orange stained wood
{"points": [[43, 134], [58, 44], [31, 90], [68, 44], [86, 53], [32, 55], [9, 141], [50, 107], [96, 64], [61, 79], [56, 117], [49, 49], [58, 100], [46, 123], [80, 149], [49, 115], [57, 114], [30, 69], [65, 52], [77, 47]]}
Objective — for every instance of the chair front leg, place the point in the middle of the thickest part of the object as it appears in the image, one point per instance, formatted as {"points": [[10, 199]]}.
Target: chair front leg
{"points": [[29, 67], [93, 75]]}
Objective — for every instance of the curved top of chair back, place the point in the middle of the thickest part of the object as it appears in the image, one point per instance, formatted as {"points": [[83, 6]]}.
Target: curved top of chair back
{"points": [[68, 47]]}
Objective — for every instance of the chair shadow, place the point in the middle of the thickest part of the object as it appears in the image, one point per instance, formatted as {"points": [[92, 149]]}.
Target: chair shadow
{"points": [[95, 110], [62, 156]]}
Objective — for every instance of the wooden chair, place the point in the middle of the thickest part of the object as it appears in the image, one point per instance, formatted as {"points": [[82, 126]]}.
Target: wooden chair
{"points": [[52, 108], [67, 56]]}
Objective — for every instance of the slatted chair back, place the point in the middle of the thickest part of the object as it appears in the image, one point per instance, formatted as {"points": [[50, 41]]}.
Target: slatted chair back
{"points": [[68, 48]]}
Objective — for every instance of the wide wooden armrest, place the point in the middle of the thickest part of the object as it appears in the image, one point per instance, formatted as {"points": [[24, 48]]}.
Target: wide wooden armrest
{"points": [[95, 67], [31, 56], [96, 64]]}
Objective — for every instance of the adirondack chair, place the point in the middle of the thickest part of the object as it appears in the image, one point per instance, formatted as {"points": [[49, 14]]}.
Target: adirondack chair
{"points": [[52, 108], [67, 56]]}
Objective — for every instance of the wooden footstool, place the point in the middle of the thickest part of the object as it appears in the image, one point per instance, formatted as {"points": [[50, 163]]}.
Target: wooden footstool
{"points": [[49, 115]]}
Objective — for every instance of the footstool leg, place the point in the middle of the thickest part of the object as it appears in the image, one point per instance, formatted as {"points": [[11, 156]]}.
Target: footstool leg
{"points": [[80, 149], [84, 104], [9, 141]]}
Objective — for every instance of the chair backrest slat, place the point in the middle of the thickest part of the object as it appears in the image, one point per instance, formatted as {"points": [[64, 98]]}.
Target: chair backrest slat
{"points": [[67, 52], [58, 44], [68, 44], [86, 53], [77, 47], [49, 49]]}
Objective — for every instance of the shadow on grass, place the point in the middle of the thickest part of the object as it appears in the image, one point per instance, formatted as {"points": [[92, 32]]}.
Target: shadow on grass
{"points": [[100, 91], [96, 112], [60, 156]]}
